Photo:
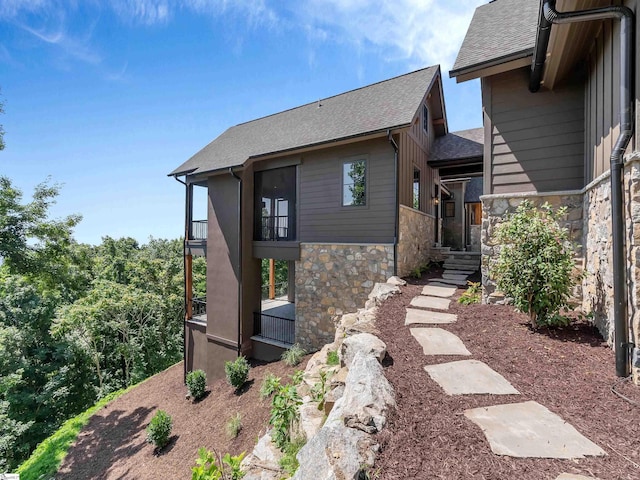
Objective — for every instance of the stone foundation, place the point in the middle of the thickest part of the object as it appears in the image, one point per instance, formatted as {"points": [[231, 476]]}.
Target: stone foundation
{"points": [[589, 222], [416, 236], [333, 279]]}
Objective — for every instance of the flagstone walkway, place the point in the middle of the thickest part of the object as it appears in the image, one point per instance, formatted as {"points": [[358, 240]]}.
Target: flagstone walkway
{"points": [[517, 429]]}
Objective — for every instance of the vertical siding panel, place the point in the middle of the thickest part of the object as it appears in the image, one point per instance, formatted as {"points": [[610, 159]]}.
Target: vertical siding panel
{"points": [[600, 104], [607, 99], [615, 80], [593, 84]]}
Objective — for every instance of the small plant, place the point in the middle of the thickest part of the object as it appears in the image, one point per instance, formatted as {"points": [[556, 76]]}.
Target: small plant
{"points": [[535, 264], [284, 412], [237, 372], [294, 355], [297, 377], [269, 385], [416, 273], [320, 389], [332, 358], [159, 429], [289, 462], [196, 384], [472, 294], [209, 466], [234, 425]]}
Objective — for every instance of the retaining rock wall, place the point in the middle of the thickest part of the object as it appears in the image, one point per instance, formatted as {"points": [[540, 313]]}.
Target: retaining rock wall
{"points": [[416, 236]]}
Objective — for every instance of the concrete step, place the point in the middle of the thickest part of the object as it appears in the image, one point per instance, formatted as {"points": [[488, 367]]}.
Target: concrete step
{"points": [[461, 266]]}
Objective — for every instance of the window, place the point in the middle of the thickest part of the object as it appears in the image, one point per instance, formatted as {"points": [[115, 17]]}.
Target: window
{"points": [[425, 118], [416, 188], [354, 183], [450, 209], [275, 204]]}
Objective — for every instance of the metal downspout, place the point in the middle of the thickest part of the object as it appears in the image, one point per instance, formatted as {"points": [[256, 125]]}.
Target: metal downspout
{"points": [[184, 273], [234, 175], [397, 209], [625, 15]]}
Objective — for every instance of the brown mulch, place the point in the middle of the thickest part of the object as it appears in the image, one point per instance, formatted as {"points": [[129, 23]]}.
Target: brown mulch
{"points": [[113, 444], [570, 371]]}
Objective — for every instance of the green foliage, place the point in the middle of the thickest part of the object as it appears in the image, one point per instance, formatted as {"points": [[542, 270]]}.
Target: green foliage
{"points": [[269, 385], [333, 358], [356, 172], [210, 467], [294, 355], [237, 372], [281, 277], [284, 412], [535, 264], [473, 294], [196, 384], [159, 429], [234, 425], [320, 389], [46, 458], [297, 377], [289, 463]]}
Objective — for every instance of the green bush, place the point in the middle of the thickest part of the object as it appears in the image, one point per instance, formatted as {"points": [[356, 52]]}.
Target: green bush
{"points": [[196, 384], [289, 461], [535, 263], [294, 355], [159, 429], [237, 372], [234, 425], [332, 358], [284, 412], [209, 467], [269, 385], [472, 294]]}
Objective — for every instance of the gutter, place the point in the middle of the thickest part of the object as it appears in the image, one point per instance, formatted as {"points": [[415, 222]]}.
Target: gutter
{"points": [[396, 226], [184, 273], [548, 16], [240, 306]]}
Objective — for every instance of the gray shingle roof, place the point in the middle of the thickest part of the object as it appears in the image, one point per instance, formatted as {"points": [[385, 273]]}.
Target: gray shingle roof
{"points": [[501, 30], [455, 145], [388, 104]]}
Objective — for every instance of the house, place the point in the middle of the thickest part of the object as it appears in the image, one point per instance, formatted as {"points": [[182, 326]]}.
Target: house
{"points": [[341, 189], [560, 87]]}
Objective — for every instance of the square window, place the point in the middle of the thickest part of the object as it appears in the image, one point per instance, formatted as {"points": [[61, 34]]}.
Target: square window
{"points": [[354, 183], [450, 209]]}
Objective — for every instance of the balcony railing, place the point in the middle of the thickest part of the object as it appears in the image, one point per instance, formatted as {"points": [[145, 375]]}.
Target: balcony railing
{"points": [[198, 230], [199, 306], [275, 227], [274, 328]]}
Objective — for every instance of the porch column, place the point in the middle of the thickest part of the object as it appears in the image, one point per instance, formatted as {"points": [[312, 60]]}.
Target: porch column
{"points": [[188, 258]]}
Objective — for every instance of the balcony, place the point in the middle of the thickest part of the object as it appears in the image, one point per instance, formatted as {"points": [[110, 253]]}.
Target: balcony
{"points": [[198, 230], [275, 228], [196, 243], [275, 324]]}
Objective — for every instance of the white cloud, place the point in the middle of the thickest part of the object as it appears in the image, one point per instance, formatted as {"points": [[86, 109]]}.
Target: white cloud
{"points": [[146, 12], [423, 32]]}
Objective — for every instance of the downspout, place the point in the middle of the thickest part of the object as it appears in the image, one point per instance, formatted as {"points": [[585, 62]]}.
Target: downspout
{"points": [[625, 15], [396, 226], [184, 273], [234, 175]]}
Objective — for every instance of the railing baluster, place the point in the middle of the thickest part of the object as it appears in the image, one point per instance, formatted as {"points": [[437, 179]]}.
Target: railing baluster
{"points": [[274, 328]]}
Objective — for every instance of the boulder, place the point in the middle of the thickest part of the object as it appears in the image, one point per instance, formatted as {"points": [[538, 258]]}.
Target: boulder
{"points": [[332, 397], [368, 395], [396, 281], [366, 343], [310, 418], [262, 462], [380, 292]]}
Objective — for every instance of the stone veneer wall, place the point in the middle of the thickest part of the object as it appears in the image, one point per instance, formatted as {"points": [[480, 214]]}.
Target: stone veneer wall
{"points": [[494, 210], [333, 279], [416, 236], [589, 221]]}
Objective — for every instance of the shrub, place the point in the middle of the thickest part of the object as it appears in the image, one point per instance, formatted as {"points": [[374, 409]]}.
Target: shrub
{"points": [[320, 389], [297, 377], [234, 425], [210, 467], [294, 355], [269, 385], [535, 263], [159, 429], [284, 412], [289, 462], [196, 384], [237, 372], [332, 358], [472, 294]]}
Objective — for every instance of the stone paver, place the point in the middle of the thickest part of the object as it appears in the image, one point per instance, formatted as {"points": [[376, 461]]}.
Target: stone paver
{"points": [[458, 272], [449, 282], [428, 318], [452, 276], [573, 476], [436, 341], [438, 291], [438, 303], [469, 377], [529, 429]]}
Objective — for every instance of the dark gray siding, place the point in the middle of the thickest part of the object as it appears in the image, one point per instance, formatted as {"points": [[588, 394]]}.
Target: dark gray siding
{"points": [[537, 140], [321, 216]]}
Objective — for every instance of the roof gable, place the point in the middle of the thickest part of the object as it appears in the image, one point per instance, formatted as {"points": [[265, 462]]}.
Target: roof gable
{"points": [[500, 31], [374, 108]]}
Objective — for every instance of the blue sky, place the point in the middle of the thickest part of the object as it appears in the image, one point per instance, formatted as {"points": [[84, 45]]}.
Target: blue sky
{"points": [[108, 96]]}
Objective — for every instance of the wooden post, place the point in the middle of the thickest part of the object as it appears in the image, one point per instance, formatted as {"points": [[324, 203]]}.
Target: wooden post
{"points": [[272, 279], [188, 285]]}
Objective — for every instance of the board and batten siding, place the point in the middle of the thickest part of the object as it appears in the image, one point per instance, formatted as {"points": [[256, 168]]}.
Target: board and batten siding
{"points": [[535, 140], [321, 216]]}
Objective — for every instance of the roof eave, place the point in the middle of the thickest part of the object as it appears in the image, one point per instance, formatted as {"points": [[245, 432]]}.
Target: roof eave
{"points": [[508, 62]]}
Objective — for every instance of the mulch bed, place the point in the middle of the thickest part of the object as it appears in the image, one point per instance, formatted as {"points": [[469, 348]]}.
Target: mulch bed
{"points": [[570, 371], [113, 444]]}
